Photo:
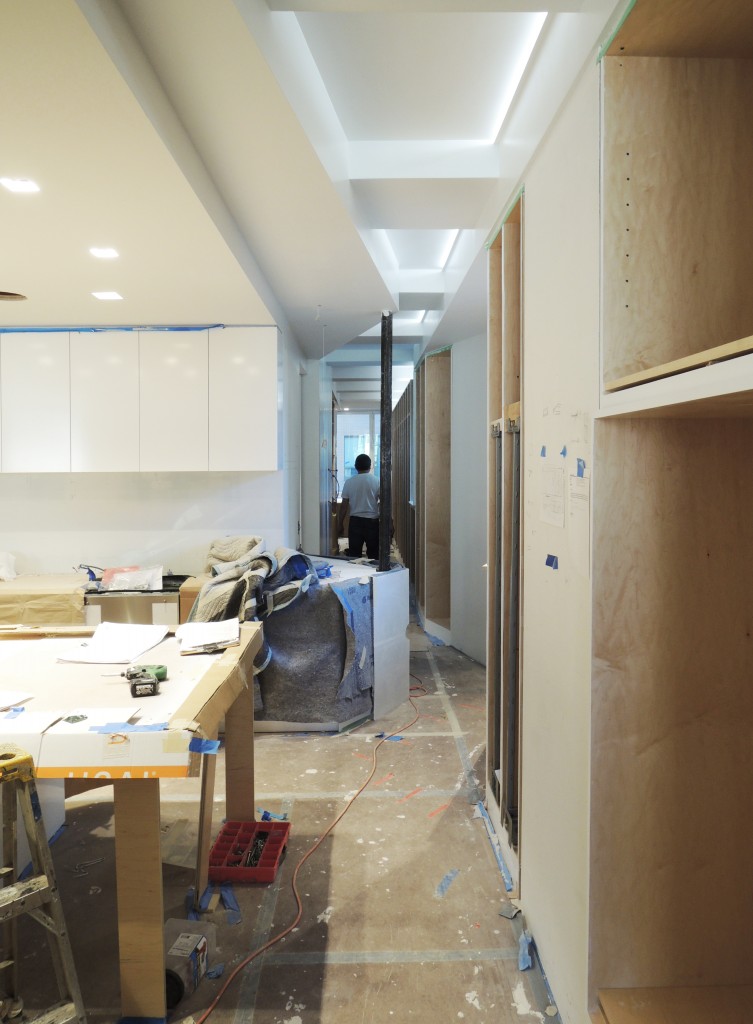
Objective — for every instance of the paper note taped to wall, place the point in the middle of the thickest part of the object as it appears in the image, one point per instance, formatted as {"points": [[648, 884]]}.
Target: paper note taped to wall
{"points": [[552, 509], [580, 523]]}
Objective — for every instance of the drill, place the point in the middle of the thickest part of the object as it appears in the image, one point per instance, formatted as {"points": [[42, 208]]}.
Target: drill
{"points": [[145, 679]]}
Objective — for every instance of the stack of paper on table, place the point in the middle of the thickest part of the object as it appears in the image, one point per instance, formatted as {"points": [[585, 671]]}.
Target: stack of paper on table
{"points": [[207, 637]]}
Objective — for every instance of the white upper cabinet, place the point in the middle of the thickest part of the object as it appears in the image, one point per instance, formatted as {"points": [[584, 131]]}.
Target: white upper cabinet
{"points": [[124, 401], [173, 399], [35, 402], [243, 410], [104, 402]]}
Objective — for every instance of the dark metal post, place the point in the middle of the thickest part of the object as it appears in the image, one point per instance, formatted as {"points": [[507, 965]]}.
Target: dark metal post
{"points": [[385, 446]]}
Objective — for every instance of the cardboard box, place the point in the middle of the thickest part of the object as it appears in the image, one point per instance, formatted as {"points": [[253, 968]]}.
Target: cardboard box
{"points": [[189, 591]]}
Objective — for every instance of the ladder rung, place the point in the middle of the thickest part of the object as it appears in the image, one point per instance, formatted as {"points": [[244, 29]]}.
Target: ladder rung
{"points": [[5, 964], [59, 1014], [6, 871], [21, 897]]}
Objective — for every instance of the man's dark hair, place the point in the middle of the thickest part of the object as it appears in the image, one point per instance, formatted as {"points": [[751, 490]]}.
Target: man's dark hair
{"points": [[363, 463]]}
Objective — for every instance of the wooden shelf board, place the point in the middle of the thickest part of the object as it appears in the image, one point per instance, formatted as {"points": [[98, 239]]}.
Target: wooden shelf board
{"points": [[686, 28], [710, 355], [732, 1004]]}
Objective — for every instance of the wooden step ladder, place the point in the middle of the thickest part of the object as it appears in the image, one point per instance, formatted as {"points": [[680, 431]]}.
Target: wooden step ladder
{"points": [[37, 895]]}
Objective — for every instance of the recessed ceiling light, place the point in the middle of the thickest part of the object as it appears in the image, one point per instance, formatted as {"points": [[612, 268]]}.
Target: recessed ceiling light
{"points": [[11, 296], [104, 253], [19, 185], [107, 296]]}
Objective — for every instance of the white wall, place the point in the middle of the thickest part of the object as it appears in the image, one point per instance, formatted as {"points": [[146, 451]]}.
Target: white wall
{"points": [[560, 395], [468, 502], [53, 521], [317, 456], [291, 401]]}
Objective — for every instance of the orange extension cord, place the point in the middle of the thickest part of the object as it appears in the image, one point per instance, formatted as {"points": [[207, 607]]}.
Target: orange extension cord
{"points": [[286, 931]]}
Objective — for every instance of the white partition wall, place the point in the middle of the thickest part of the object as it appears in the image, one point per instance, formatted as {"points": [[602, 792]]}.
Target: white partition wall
{"points": [[560, 396]]}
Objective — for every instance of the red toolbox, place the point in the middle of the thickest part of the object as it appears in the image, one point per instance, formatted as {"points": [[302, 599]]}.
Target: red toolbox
{"points": [[248, 851]]}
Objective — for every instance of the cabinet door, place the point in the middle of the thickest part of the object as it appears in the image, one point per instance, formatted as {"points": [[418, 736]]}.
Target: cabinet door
{"points": [[243, 412], [105, 402], [35, 402], [173, 400]]}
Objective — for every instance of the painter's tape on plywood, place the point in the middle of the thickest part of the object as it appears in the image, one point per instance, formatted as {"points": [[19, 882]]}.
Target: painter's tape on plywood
{"points": [[678, 209]]}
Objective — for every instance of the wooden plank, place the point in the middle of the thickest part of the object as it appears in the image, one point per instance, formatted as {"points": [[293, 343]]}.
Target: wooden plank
{"points": [[511, 308], [437, 492], [678, 220], [239, 758], [420, 487], [494, 329], [708, 1005], [704, 358], [686, 28], [672, 706], [206, 806], [138, 870]]}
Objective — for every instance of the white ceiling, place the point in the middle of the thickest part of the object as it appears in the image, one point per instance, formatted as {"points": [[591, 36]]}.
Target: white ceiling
{"points": [[307, 162]]}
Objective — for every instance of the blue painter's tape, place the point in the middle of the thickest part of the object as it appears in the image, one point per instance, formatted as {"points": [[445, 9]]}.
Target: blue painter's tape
{"points": [[581, 467], [553, 561], [495, 846], [563, 453], [270, 816], [199, 746], [543, 451], [230, 903], [343, 599], [228, 896], [14, 713], [446, 882], [217, 971], [206, 897], [394, 739], [192, 913], [525, 960], [104, 330]]}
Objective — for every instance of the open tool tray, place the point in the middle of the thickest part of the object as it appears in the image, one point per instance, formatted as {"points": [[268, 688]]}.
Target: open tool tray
{"points": [[248, 851]]}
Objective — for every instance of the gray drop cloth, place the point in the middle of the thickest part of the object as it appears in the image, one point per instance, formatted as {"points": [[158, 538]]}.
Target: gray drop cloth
{"points": [[321, 667]]}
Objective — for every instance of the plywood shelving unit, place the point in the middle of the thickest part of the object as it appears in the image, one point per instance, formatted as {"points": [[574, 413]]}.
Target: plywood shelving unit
{"points": [[671, 924], [433, 407]]}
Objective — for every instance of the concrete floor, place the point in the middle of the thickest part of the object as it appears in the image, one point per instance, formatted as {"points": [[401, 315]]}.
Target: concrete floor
{"points": [[401, 903]]}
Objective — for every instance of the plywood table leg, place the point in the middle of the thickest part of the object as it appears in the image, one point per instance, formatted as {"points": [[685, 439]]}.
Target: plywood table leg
{"points": [[239, 758], [138, 867], [206, 806]]}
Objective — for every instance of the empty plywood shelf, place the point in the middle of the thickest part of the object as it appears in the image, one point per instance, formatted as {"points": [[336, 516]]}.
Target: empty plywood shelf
{"points": [[731, 1004]]}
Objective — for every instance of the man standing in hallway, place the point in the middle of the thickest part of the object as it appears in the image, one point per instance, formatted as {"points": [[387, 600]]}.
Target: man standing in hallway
{"points": [[360, 497]]}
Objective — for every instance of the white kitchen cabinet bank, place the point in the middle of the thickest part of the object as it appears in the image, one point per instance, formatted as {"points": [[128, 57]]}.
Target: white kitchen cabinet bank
{"points": [[124, 401]]}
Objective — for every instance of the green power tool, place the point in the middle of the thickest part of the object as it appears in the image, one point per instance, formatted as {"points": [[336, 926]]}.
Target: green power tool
{"points": [[145, 679]]}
